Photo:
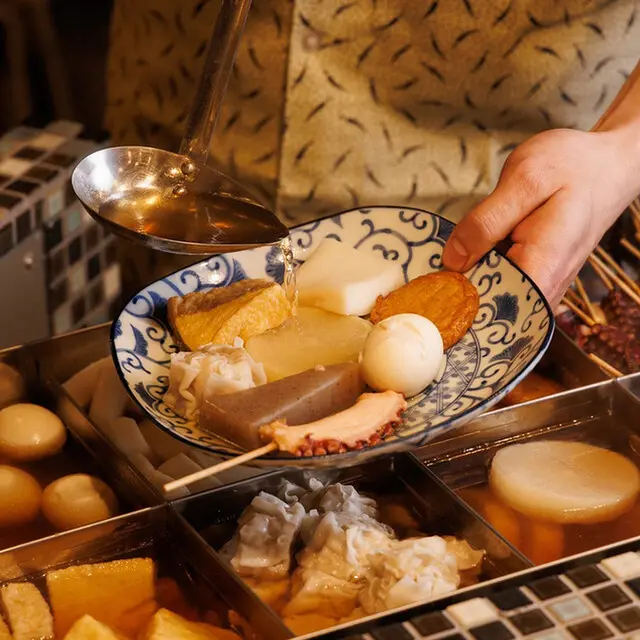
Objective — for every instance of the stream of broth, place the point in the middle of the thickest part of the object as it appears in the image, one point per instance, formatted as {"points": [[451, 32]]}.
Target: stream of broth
{"points": [[289, 282]]}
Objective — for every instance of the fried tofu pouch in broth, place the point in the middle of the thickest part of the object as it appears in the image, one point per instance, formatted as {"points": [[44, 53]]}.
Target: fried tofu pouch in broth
{"points": [[448, 299]]}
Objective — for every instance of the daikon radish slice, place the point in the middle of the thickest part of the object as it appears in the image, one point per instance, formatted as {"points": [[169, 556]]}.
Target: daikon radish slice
{"points": [[564, 482]]}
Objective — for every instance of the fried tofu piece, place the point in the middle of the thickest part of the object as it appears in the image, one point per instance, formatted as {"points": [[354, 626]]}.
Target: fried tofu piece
{"points": [[120, 594], [88, 628], [446, 298], [166, 625], [26, 611], [219, 316]]}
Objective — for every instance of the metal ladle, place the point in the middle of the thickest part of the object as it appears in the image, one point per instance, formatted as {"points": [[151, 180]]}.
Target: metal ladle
{"points": [[174, 202]]}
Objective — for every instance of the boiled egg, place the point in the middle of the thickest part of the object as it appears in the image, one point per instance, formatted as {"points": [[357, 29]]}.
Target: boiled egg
{"points": [[29, 432], [20, 497], [77, 500], [403, 353]]}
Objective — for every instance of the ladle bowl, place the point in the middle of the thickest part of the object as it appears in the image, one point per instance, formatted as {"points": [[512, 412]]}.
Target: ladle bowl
{"points": [[166, 201], [175, 202]]}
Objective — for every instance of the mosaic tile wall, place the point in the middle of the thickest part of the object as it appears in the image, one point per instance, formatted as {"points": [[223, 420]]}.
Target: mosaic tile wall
{"points": [[593, 600], [82, 274]]}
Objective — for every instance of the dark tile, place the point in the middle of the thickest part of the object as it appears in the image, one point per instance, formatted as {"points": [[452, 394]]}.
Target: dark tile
{"points": [[626, 619], [593, 629], [28, 153], [96, 295], [609, 597], [531, 621], [92, 237], [453, 636], [57, 264], [6, 239], [634, 585], [110, 254], [75, 250], [392, 632], [93, 267], [58, 295], [44, 174], [586, 576], [509, 599], [492, 631], [39, 207], [69, 195], [52, 235], [60, 160], [78, 310], [547, 588], [25, 187], [431, 623], [115, 308], [8, 201], [23, 226]]}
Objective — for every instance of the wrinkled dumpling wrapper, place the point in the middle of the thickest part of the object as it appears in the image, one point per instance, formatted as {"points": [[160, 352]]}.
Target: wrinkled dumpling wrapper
{"points": [[214, 370]]}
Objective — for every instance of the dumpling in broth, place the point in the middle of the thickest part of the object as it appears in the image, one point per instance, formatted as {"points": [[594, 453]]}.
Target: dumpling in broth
{"points": [[263, 543], [214, 370]]}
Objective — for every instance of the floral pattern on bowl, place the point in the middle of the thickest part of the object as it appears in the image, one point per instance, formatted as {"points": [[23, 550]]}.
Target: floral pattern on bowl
{"points": [[511, 332]]}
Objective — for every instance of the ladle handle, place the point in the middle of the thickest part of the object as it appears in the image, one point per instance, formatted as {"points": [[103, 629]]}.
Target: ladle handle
{"points": [[212, 85]]}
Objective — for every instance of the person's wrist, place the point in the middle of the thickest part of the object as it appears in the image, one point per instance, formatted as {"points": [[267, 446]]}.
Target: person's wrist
{"points": [[622, 146]]}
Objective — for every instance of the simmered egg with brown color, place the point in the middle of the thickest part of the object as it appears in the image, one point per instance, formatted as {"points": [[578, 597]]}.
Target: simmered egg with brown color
{"points": [[20, 497], [78, 500], [29, 432]]}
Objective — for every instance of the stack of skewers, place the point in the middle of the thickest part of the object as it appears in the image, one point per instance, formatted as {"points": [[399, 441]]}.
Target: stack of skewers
{"points": [[608, 331]]}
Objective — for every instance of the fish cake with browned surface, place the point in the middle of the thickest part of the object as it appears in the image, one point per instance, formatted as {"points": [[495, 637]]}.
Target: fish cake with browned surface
{"points": [[446, 298], [243, 309]]}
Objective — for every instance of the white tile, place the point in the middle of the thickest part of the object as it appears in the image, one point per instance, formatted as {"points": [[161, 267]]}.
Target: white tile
{"points": [[15, 167], [55, 203], [626, 565], [62, 320], [552, 635], [77, 280], [473, 612], [46, 141], [570, 609], [112, 282]]}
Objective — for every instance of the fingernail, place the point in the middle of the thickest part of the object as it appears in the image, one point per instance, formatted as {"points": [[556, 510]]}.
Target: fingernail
{"points": [[456, 255]]}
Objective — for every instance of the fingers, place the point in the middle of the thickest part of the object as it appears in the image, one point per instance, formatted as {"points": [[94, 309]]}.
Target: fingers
{"points": [[549, 252], [524, 186]]}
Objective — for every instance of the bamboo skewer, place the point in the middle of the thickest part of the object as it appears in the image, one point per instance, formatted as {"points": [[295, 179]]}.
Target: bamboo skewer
{"points": [[218, 468], [605, 366], [602, 275], [587, 301], [578, 311], [615, 279], [632, 249], [575, 298], [618, 269]]}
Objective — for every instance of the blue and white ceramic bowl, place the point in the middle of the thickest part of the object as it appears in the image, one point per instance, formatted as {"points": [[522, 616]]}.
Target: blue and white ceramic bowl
{"points": [[510, 334]]}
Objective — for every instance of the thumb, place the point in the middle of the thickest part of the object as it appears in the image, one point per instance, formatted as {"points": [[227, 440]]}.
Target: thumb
{"points": [[517, 194]]}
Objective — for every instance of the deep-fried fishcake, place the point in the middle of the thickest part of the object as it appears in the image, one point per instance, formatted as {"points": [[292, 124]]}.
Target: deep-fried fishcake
{"points": [[446, 298]]}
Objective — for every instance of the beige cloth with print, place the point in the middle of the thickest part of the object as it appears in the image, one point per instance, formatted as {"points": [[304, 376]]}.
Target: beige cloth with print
{"points": [[343, 103]]}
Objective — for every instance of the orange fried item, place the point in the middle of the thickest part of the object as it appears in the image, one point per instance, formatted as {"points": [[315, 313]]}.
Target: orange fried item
{"points": [[446, 298]]}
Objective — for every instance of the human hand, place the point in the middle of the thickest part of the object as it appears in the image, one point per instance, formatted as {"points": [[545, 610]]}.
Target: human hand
{"points": [[557, 195]]}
